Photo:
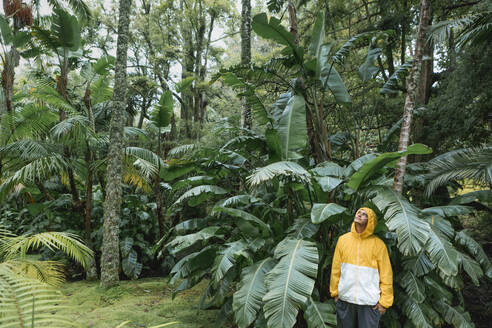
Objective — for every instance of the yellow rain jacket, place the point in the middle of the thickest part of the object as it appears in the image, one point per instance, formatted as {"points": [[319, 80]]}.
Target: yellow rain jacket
{"points": [[361, 269]]}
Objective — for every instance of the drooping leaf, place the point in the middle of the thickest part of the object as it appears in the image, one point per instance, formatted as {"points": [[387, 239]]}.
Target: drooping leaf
{"points": [[464, 239], [226, 258], [414, 287], [320, 315], [415, 312], [272, 29], [203, 192], [419, 265], [6, 31], [190, 225], [292, 128], [290, 282], [368, 69], [471, 267], [66, 29], [330, 79], [448, 210], [391, 86], [404, 218], [247, 300], [442, 253], [370, 168], [323, 212], [327, 184], [484, 196], [286, 169], [180, 243], [318, 35], [303, 229], [454, 315], [245, 216], [161, 115], [184, 84]]}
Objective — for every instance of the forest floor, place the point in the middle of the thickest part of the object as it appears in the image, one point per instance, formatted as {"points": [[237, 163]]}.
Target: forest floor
{"points": [[145, 303]]}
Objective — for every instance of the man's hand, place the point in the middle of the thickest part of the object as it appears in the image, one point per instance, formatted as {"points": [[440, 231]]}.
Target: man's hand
{"points": [[336, 299], [380, 308]]}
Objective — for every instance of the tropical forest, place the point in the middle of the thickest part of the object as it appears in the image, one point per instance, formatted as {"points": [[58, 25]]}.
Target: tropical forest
{"points": [[195, 163]]}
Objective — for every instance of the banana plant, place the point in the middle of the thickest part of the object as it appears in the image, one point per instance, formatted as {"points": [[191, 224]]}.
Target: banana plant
{"points": [[249, 242]]}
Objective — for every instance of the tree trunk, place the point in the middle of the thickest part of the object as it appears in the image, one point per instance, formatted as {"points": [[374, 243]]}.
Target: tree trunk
{"points": [[411, 94], [110, 259], [157, 190], [187, 71], [91, 270], [8, 75], [245, 56]]}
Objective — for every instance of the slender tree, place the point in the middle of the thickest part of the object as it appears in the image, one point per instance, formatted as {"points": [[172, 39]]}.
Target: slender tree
{"points": [[411, 93], [110, 259], [245, 55]]}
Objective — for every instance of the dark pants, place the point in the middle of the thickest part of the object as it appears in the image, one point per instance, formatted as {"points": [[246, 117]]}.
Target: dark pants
{"points": [[356, 316]]}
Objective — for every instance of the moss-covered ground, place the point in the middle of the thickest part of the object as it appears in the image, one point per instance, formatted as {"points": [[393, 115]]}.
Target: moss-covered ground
{"points": [[145, 303]]}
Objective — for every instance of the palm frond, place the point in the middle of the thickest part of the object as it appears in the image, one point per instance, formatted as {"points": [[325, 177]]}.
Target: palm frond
{"points": [[70, 244], [468, 163], [284, 169], [28, 302], [146, 155]]}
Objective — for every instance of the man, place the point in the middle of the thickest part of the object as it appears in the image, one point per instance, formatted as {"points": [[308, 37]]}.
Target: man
{"points": [[361, 277]]}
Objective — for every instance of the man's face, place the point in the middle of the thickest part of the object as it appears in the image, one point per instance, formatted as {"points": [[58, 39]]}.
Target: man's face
{"points": [[361, 217]]}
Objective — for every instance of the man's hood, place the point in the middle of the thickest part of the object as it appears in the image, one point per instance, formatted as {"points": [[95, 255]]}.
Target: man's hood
{"points": [[371, 223]]}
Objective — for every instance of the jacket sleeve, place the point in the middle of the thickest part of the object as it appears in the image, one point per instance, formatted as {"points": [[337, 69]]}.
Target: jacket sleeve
{"points": [[335, 271], [385, 277]]}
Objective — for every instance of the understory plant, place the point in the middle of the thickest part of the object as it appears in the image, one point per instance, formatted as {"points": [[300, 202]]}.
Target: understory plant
{"points": [[266, 247]]}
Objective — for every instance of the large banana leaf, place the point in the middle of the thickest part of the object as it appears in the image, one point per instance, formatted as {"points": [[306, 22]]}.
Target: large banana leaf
{"points": [[193, 262], [287, 169], [292, 128], [404, 218], [441, 252], [471, 267], [329, 169], [271, 28], [181, 243], [245, 216], [320, 315], [247, 300], [322, 212], [368, 69], [391, 86], [290, 282], [419, 265], [476, 250], [303, 229], [449, 210], [372, 167], [454, 315], [162, 113], [327, 184], [318, 36], [201, 193], [484, 196], [66, 29], [415, 311], [329, 77], [414, 287], [227, 258]]}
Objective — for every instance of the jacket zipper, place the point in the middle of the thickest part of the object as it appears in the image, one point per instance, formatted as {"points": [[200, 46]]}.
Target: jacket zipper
{"points": [[357, 272]]}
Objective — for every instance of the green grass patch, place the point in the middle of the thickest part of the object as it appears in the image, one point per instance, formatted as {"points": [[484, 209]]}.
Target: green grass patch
{"points": [[145, 303]]}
